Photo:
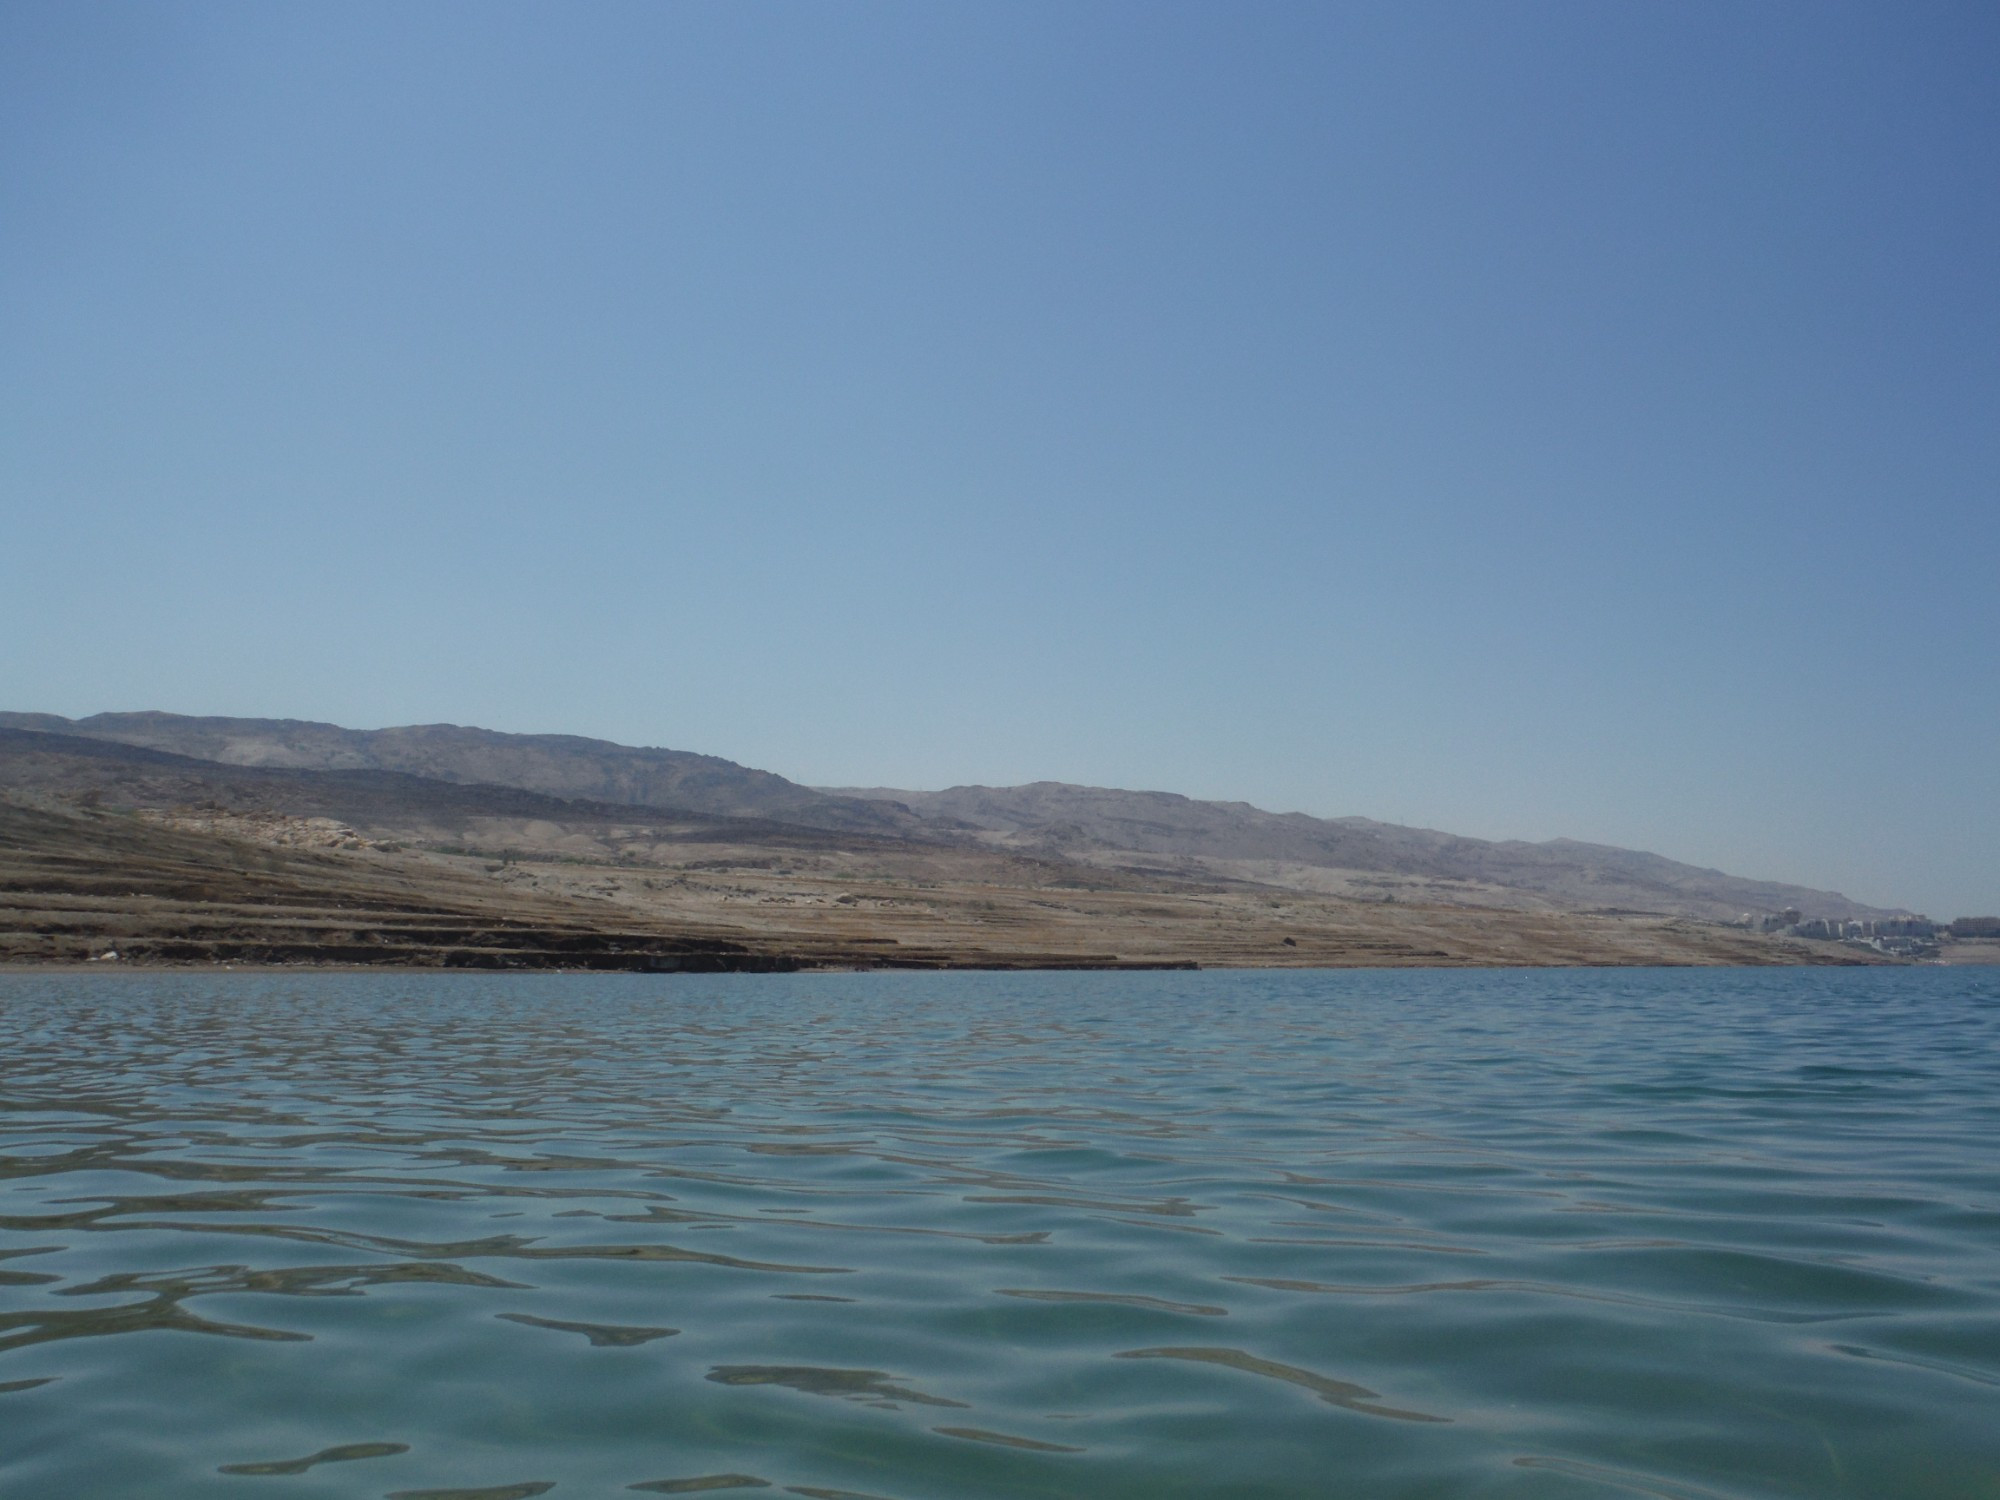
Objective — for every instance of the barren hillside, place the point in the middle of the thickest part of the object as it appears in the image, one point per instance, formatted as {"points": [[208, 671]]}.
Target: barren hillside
{"points": [[1153, 833], [159, 857], [1352, 856]]}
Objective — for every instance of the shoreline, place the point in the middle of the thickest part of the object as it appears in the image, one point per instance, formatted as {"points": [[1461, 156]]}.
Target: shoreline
{"points": [[970, 966]]}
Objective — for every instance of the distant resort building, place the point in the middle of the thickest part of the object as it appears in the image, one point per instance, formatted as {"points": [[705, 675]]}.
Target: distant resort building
{"points": [[1899, 937]]}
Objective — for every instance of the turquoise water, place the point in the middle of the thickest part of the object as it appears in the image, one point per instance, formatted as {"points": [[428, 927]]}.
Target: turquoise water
{"points": [[1548, 1233]]}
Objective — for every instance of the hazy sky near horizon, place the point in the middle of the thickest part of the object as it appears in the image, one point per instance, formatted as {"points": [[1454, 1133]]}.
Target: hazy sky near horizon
{"points": [[1522, 419]]}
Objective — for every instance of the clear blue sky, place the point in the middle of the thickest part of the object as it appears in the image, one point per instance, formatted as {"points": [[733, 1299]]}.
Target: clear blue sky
{"points": [[1521, 419]]}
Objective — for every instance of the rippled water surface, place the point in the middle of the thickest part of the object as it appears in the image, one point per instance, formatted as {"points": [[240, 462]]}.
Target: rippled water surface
{"points": [[1681, 1234]]}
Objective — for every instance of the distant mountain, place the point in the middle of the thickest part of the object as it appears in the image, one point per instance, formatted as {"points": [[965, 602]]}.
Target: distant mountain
{"points": [[429, 774], [44, 768], [1102, 824], [555, 765]]}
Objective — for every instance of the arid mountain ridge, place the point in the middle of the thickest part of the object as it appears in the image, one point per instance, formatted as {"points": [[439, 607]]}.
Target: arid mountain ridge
{"points": [[1350, 856], [443, 777], [556, 765]]}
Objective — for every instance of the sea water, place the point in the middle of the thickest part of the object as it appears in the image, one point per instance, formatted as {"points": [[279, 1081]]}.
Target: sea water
{"points": [[1535, 1233]]}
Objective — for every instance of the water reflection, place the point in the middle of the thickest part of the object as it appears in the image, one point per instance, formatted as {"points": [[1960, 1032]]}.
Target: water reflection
{"points": [[701, 1483], [344, 1453], [870, 1386], [1457, 1233], [1342, 1393]]}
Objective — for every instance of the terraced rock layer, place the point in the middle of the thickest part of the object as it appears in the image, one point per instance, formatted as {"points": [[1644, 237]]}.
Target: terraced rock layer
{"points": [[76, 883]]}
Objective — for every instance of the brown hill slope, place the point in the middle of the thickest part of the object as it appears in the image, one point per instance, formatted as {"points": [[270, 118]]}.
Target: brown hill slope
{"points": [[392, 805], [80, 883], [76, 883], [1155, 833], [1104, 825], [183, 860], [556, 765]]}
